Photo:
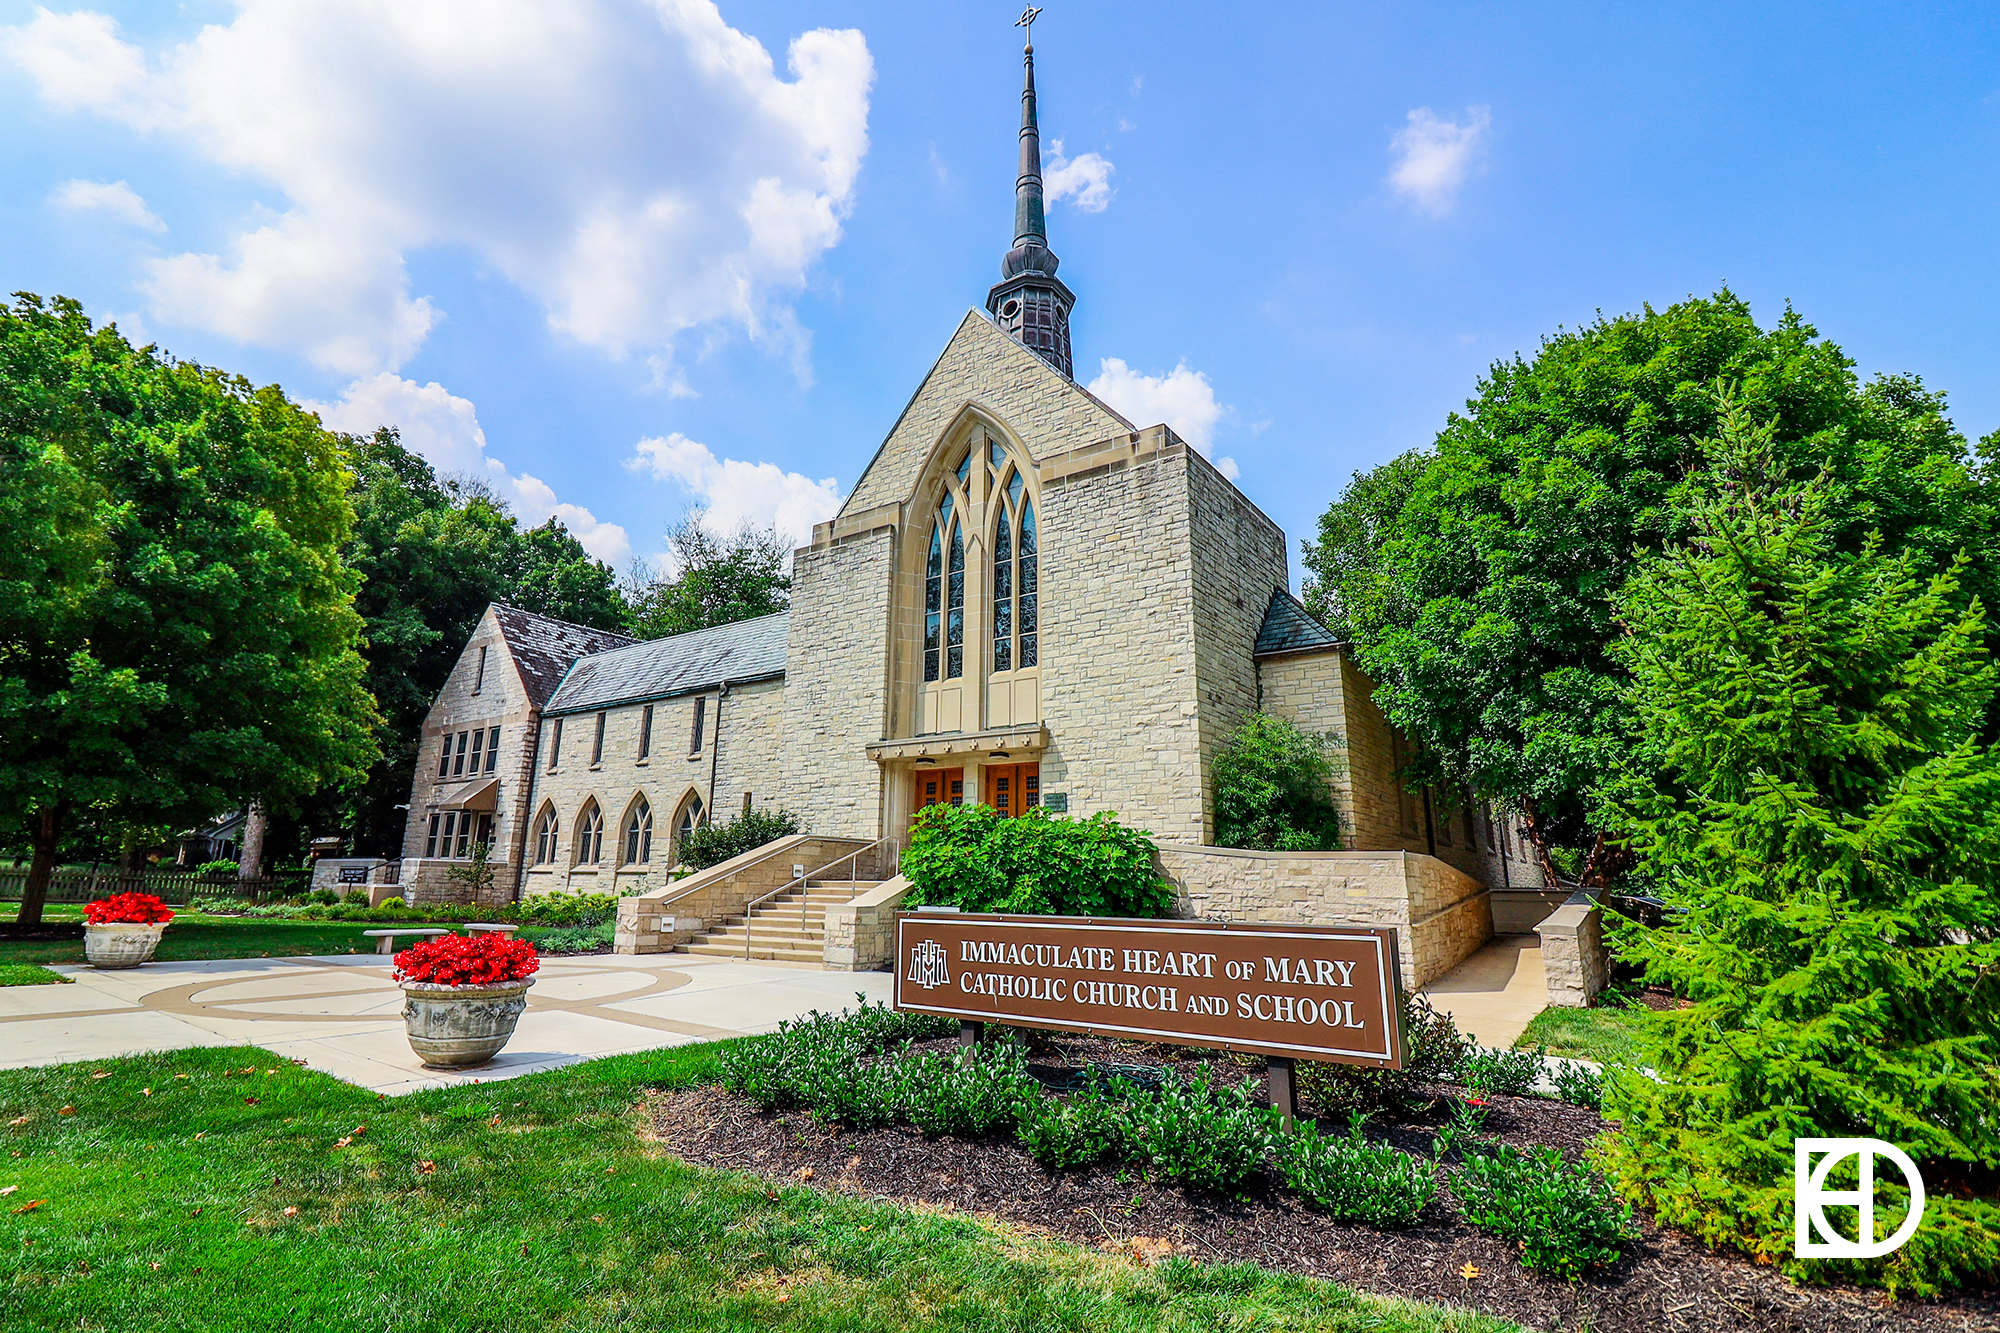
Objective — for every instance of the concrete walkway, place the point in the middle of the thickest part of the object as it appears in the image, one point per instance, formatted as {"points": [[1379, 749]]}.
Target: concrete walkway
{"points": [[342, 1014], [1492, 995]]}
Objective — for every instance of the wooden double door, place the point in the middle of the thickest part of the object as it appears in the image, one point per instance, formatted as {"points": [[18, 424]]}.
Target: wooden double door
{"points": [[1009, 788]]}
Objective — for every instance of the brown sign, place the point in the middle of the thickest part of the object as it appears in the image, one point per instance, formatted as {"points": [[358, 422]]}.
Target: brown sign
{"points": [[1304, 992]]}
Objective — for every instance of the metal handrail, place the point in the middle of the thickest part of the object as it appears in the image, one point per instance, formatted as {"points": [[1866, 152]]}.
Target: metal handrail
{"points": [[749, 912]]}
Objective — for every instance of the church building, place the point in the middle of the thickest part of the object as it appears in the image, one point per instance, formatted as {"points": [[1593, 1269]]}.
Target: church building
{"points": [[1026, 600]]}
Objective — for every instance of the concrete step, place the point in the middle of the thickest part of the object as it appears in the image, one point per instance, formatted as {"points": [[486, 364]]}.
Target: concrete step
{"points": [[768, 953], [765, 933], [848, 886]]}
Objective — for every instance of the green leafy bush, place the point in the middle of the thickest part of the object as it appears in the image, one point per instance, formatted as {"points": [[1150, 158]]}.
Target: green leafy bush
{"points": [[228, 868], [1579, 1085], [977, 1091], [325, 897], [1510, 1073], [1816, 789], [566, 909], [1274, 788], [1563, 1215], [1435, 1052], [809, 1061], [1198, 1133], [711, 844], [1079, 1131], [355, 898], [571, 939], [972, 857], [1353, 1180]]}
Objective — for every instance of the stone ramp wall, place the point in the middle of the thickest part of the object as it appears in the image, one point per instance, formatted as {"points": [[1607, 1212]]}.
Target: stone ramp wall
{"points": [[655, 922]]}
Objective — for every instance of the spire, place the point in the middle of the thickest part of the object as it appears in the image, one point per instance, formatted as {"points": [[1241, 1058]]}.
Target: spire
{"points": [[1030, 304]]}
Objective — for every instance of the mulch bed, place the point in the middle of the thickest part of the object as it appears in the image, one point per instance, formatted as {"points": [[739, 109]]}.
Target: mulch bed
{"points": [[45, 930], [1667, 1282]]}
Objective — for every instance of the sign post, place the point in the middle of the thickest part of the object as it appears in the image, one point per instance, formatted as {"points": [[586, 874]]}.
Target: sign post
{"points": [[1289, 993]]}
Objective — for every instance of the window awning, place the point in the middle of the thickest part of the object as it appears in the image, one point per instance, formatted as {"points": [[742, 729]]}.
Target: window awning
{"points": [[482, 795]]}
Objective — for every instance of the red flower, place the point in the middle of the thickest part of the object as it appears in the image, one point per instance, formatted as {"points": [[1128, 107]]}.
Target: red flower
{"points": [[137, 909], [488, 959]]}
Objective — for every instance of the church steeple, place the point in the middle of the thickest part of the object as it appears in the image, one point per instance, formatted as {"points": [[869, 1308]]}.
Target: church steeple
{"points": [[1030, 304]]}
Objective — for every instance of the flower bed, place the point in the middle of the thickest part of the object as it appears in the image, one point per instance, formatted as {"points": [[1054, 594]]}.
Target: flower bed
{"points": [[488, 959], [139, 909]]}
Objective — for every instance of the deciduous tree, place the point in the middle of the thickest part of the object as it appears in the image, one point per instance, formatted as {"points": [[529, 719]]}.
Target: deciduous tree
{"points": [[716, 579]]}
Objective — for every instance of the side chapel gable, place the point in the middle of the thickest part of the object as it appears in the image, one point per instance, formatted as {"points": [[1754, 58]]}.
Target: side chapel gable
{"points": [[983, 365]]}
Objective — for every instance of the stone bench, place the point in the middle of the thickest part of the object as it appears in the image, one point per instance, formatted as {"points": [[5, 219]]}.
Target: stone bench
{"points": [[487, 928], [388, 937]]}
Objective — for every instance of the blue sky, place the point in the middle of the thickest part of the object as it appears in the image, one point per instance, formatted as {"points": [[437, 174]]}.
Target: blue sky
{"points": [[640, 269]]}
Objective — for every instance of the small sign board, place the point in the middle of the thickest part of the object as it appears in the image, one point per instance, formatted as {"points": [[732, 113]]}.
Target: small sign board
{"points": [[1055, 802], [1299, 992], [354, 874]]}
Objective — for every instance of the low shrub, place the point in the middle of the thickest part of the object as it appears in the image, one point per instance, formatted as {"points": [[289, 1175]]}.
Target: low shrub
{"points": [[974, 858], [1199, 1134], [395, 904], [573, 939], [1512, 1073], [809, 1061], [1579, 1085], [977, 1091], [1274, 788], [566, 909], [1435, 1053], [355, 898], [325, 897], [1563, 1215], [711, 844], [229, 868], [1352, 1180], [1081, 1131]]}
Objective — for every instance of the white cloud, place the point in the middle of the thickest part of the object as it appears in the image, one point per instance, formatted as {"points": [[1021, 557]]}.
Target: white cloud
{"points": [[115, 199], [1182, 398], [445, 430], [1085, 180], [640, 170], [734, 492], [1433, 156]]}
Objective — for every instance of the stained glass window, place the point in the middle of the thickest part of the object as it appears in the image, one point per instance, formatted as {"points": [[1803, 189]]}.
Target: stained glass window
{"points": [[933, 602], [1003, 596], [1030, 628], [589, 835], [639, 834], [965, 468], [996, 454], [954, 621]]}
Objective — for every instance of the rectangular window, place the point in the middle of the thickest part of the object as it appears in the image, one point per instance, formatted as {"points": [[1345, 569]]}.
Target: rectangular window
{"points": [[444, 755], [478, 748], [645, 731], [479, 677], [464, 835], [700, 717], [458, 760], [555, 746], [597, 744], [431, 838], [485, 838], [492, 749], [444, 838]]}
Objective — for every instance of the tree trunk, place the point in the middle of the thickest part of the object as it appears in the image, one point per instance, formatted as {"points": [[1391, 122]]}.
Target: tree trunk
{"points": [[1538, 836], [250, 861], [48, 832]]}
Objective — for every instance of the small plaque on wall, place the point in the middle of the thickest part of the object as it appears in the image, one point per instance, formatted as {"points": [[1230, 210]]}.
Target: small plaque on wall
{"points": [[1055, 802]]}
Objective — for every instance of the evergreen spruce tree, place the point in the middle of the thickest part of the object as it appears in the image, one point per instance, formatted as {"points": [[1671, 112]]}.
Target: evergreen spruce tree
{"points": [[1814, 792]]}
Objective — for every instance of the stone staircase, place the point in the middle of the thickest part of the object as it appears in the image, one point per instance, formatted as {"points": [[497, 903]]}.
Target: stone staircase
{"points": [[774, 928]]}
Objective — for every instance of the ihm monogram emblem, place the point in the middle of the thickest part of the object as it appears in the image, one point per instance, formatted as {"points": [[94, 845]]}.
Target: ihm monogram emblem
{"points": [[927, 965]]}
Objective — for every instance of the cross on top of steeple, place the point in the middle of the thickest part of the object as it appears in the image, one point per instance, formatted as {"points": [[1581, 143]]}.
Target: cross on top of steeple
{"points": [[1030, 304]]}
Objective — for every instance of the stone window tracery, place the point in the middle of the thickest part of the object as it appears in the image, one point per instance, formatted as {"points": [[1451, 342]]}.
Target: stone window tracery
{"points": [[1016, 579], [639, 834], [546, 831], [944, 588], [589, 835]]}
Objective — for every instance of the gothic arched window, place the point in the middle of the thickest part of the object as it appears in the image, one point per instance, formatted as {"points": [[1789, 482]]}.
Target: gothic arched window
{"points": [[589, 835], [1016, 580], [639, 834], [546, 830], [944, 589], [690, 818]]}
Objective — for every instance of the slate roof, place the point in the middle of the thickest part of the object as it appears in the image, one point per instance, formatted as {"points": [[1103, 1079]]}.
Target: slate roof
{"points": [[543, 647], [1290, 628], [681, 664]]}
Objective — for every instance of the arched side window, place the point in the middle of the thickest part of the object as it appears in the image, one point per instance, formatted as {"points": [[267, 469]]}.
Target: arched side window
{"points": [[639, 834], [589, 835], [944, 585], [547, 830], [691, 817], [1016, 578]]}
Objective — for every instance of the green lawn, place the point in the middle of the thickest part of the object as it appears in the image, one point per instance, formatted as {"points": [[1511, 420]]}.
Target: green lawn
{"points": [[27, 974], [1604, 1035], [210, 1189], [192, 935]]}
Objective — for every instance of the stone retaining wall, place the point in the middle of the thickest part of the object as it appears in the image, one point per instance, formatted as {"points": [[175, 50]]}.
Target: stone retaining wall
{"points": [[861, 935], [655, 922], [1574, 958], [1441, 915]]}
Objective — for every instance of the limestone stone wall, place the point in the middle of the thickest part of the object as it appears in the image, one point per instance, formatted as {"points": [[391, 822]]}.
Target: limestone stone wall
{"points": [[836, 683], [1439, 913], [1119, 679], [1237, 559], [737, 747], [750, 744], [861, 934], [502, 700], [1574, 957], [981, 364]]}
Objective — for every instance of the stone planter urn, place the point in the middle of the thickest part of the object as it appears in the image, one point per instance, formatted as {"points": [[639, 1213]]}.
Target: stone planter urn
{"points": [[457, 1027], [119, 944]]}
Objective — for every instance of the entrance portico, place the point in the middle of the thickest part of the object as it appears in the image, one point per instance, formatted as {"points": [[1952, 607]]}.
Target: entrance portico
{"points": [[961, 769]]}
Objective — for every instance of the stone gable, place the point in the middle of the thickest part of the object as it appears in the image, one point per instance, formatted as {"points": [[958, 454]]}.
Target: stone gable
{"points": [[984, 366]]}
